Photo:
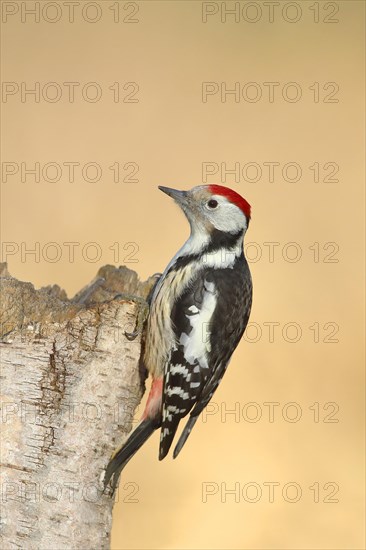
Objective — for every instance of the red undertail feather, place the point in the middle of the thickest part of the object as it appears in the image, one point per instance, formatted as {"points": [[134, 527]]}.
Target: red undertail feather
{"points": [[153, 404]]}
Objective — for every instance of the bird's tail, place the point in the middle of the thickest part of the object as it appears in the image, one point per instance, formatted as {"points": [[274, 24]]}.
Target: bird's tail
{"points": [[184, 435], [121, 457]]}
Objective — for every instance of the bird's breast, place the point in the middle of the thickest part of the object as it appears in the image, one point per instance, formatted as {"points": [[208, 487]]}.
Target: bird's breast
{"points": [[160, 337]]}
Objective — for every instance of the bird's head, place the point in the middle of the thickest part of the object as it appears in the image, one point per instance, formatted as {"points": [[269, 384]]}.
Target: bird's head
{"points": [[212, 207]]}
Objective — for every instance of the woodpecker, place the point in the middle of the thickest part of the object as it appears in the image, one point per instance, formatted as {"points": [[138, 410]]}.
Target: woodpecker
{"points": [[199, 309]]}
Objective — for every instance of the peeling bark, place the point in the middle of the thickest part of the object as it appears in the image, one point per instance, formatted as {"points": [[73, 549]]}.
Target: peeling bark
{"points": [[70, 383]]}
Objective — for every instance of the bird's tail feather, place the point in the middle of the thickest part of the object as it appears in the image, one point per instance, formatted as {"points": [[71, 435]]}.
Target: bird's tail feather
{"points": [[184, 435], [119, 460]]}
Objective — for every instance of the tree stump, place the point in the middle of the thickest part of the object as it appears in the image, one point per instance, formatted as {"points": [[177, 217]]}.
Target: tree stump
{"points": [[70, 384]]}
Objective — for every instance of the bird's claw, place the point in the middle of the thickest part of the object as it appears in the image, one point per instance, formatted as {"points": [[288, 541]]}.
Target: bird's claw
{"points": [[141, 316], [132, 335]]}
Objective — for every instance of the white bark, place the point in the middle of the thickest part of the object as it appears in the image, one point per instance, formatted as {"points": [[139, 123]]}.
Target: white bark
{"points": [[70, 383]]}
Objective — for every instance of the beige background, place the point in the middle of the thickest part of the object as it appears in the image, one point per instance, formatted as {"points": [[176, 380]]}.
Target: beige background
{"points": [[169, 133]]}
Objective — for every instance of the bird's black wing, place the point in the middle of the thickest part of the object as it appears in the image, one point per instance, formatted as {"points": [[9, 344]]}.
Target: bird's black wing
{"points": [[228, 324], [186, 370], [209, 320]]}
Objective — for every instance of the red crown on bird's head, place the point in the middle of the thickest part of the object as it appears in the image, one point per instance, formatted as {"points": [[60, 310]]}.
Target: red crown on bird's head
{"points": [[232, 196]]}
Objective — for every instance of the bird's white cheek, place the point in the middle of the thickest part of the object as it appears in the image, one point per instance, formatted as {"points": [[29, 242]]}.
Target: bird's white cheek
{"points": [[230, 222]]}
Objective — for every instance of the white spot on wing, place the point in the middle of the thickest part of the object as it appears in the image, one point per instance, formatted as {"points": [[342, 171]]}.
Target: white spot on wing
{"points": [[195, 349]]}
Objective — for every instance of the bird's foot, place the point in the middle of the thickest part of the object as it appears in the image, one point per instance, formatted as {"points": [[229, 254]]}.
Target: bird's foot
{"points": [[142, 315]]}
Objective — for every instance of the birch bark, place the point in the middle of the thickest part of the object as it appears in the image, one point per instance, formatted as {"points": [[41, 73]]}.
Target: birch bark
{"points": [[70, 384]]}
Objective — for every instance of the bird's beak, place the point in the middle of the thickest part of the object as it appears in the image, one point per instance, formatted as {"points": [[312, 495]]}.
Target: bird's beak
{"points": [[179, 196]]}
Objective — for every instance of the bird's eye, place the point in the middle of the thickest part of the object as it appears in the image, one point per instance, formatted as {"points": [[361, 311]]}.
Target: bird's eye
{"points": [[212, 203]]}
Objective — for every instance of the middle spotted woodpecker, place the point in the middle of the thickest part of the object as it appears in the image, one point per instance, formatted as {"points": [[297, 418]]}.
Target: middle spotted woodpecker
{"points": [[198, 312]]}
